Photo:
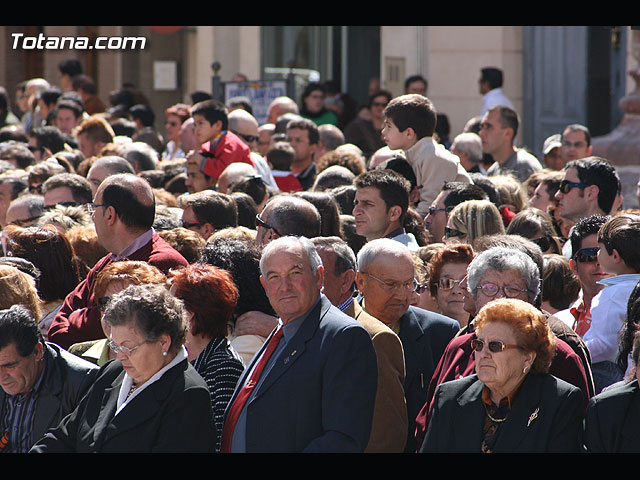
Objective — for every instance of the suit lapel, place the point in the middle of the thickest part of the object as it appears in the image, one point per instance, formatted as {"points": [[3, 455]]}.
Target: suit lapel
{"points": [[468, 423], [296, 346], [410, 332]]}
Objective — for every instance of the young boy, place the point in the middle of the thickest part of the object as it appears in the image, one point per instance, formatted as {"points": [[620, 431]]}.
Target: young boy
{"points": [[219, 146], [618, 254], [409, 125], [279, 157]]}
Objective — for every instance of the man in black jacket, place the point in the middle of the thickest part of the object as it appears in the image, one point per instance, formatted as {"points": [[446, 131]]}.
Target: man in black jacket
{"points": [[41, 383]]}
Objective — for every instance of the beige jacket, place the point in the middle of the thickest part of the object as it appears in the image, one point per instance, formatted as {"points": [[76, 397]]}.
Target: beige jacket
{"points": [[433, 165]]}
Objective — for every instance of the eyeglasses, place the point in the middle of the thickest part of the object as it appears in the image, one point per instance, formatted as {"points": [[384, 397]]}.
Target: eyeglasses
{"points": [[124, 350], [452, 232], [543, 242], [102, 303], [495, 346], [60, 204], [92, 207], [433, 210], [391, 285], [567, 185], [24, 222], [186, 224], [448, 283], [421, 288], [587, 255], [248, 138], [264, 224], [509, 291]]}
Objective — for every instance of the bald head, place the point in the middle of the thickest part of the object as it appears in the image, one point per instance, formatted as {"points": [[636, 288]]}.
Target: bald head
{"points": [[289, 215], [234, 172], [280, 106], [131, 197], [106, 166], [245, 126], [382, 248]]}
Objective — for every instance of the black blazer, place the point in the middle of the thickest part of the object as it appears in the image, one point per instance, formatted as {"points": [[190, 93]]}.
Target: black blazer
{"points": [[546, 416], [613, 419], [319, 395], [171, 415], [424, 336]]}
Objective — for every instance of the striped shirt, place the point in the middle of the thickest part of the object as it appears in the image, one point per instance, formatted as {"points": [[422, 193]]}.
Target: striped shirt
{"points": [[220, 367], [18, 413]]}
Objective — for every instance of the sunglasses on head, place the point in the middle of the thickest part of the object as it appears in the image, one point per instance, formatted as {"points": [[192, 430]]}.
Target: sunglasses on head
{"points": [[587, 255], [543, 242], [567, 185], [452, 232], [494, 346]]}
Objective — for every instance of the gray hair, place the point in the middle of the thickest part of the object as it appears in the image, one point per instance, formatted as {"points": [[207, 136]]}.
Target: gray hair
{"points": [[502, 259], [469, 143], [381, 246], [152, 310], [307, 246], [345, 258], [141, 154]]}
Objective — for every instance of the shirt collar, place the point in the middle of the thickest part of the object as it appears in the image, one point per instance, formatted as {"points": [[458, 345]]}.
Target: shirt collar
{"points": [[135, 245]]}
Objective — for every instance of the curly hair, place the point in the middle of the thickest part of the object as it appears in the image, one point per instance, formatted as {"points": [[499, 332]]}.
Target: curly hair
{"points": [[461, 253], [529, 326], [151, 310]]}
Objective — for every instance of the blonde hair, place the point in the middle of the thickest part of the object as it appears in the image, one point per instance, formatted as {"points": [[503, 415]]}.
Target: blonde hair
{"points": [[477, 218], [18, 288], [511, 192]]}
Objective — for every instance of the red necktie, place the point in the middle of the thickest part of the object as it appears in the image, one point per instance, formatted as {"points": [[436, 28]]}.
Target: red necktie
{"points": [[238, 403]]}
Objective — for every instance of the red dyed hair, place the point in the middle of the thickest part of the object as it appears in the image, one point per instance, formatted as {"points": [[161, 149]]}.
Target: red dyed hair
{"points": [[210, 294]]}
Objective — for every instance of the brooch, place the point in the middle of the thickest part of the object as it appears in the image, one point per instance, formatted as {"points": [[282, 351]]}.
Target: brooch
{"points": [[533, 416]]}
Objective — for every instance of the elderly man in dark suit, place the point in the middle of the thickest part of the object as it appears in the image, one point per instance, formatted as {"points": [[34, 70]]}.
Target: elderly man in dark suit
{"points": [[312, 386], [386, 280], [389, 428]]}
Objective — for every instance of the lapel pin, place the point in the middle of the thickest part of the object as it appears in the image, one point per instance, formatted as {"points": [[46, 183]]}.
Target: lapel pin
{"points": [[533, 416]]}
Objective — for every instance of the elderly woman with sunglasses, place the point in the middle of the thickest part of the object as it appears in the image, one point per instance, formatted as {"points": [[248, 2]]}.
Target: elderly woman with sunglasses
{"points": [[472, 219], [150, 399], [446, 271], [511, 403], [499, 272]]}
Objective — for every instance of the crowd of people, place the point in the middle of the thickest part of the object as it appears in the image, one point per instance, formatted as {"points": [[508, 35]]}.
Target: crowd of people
{"points": [[309, 284]]}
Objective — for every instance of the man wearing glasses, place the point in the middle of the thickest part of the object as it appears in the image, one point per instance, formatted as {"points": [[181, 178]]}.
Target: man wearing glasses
{"points": [[452, 194], [575, 143], [208, 211], [123, 213], [386, 281], [590, 186]]}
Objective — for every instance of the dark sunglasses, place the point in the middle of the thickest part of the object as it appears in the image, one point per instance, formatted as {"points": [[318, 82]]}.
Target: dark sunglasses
{"points": [[264, 224], [495, 346], [190, 224], [248, 138], [452, 232], [587, 255], [543, 242], [433, 210], [102, 303], [567, 185]]}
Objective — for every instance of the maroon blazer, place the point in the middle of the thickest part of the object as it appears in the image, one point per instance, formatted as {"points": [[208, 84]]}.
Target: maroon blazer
{"points": [[458, 361], [78, 319]]}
